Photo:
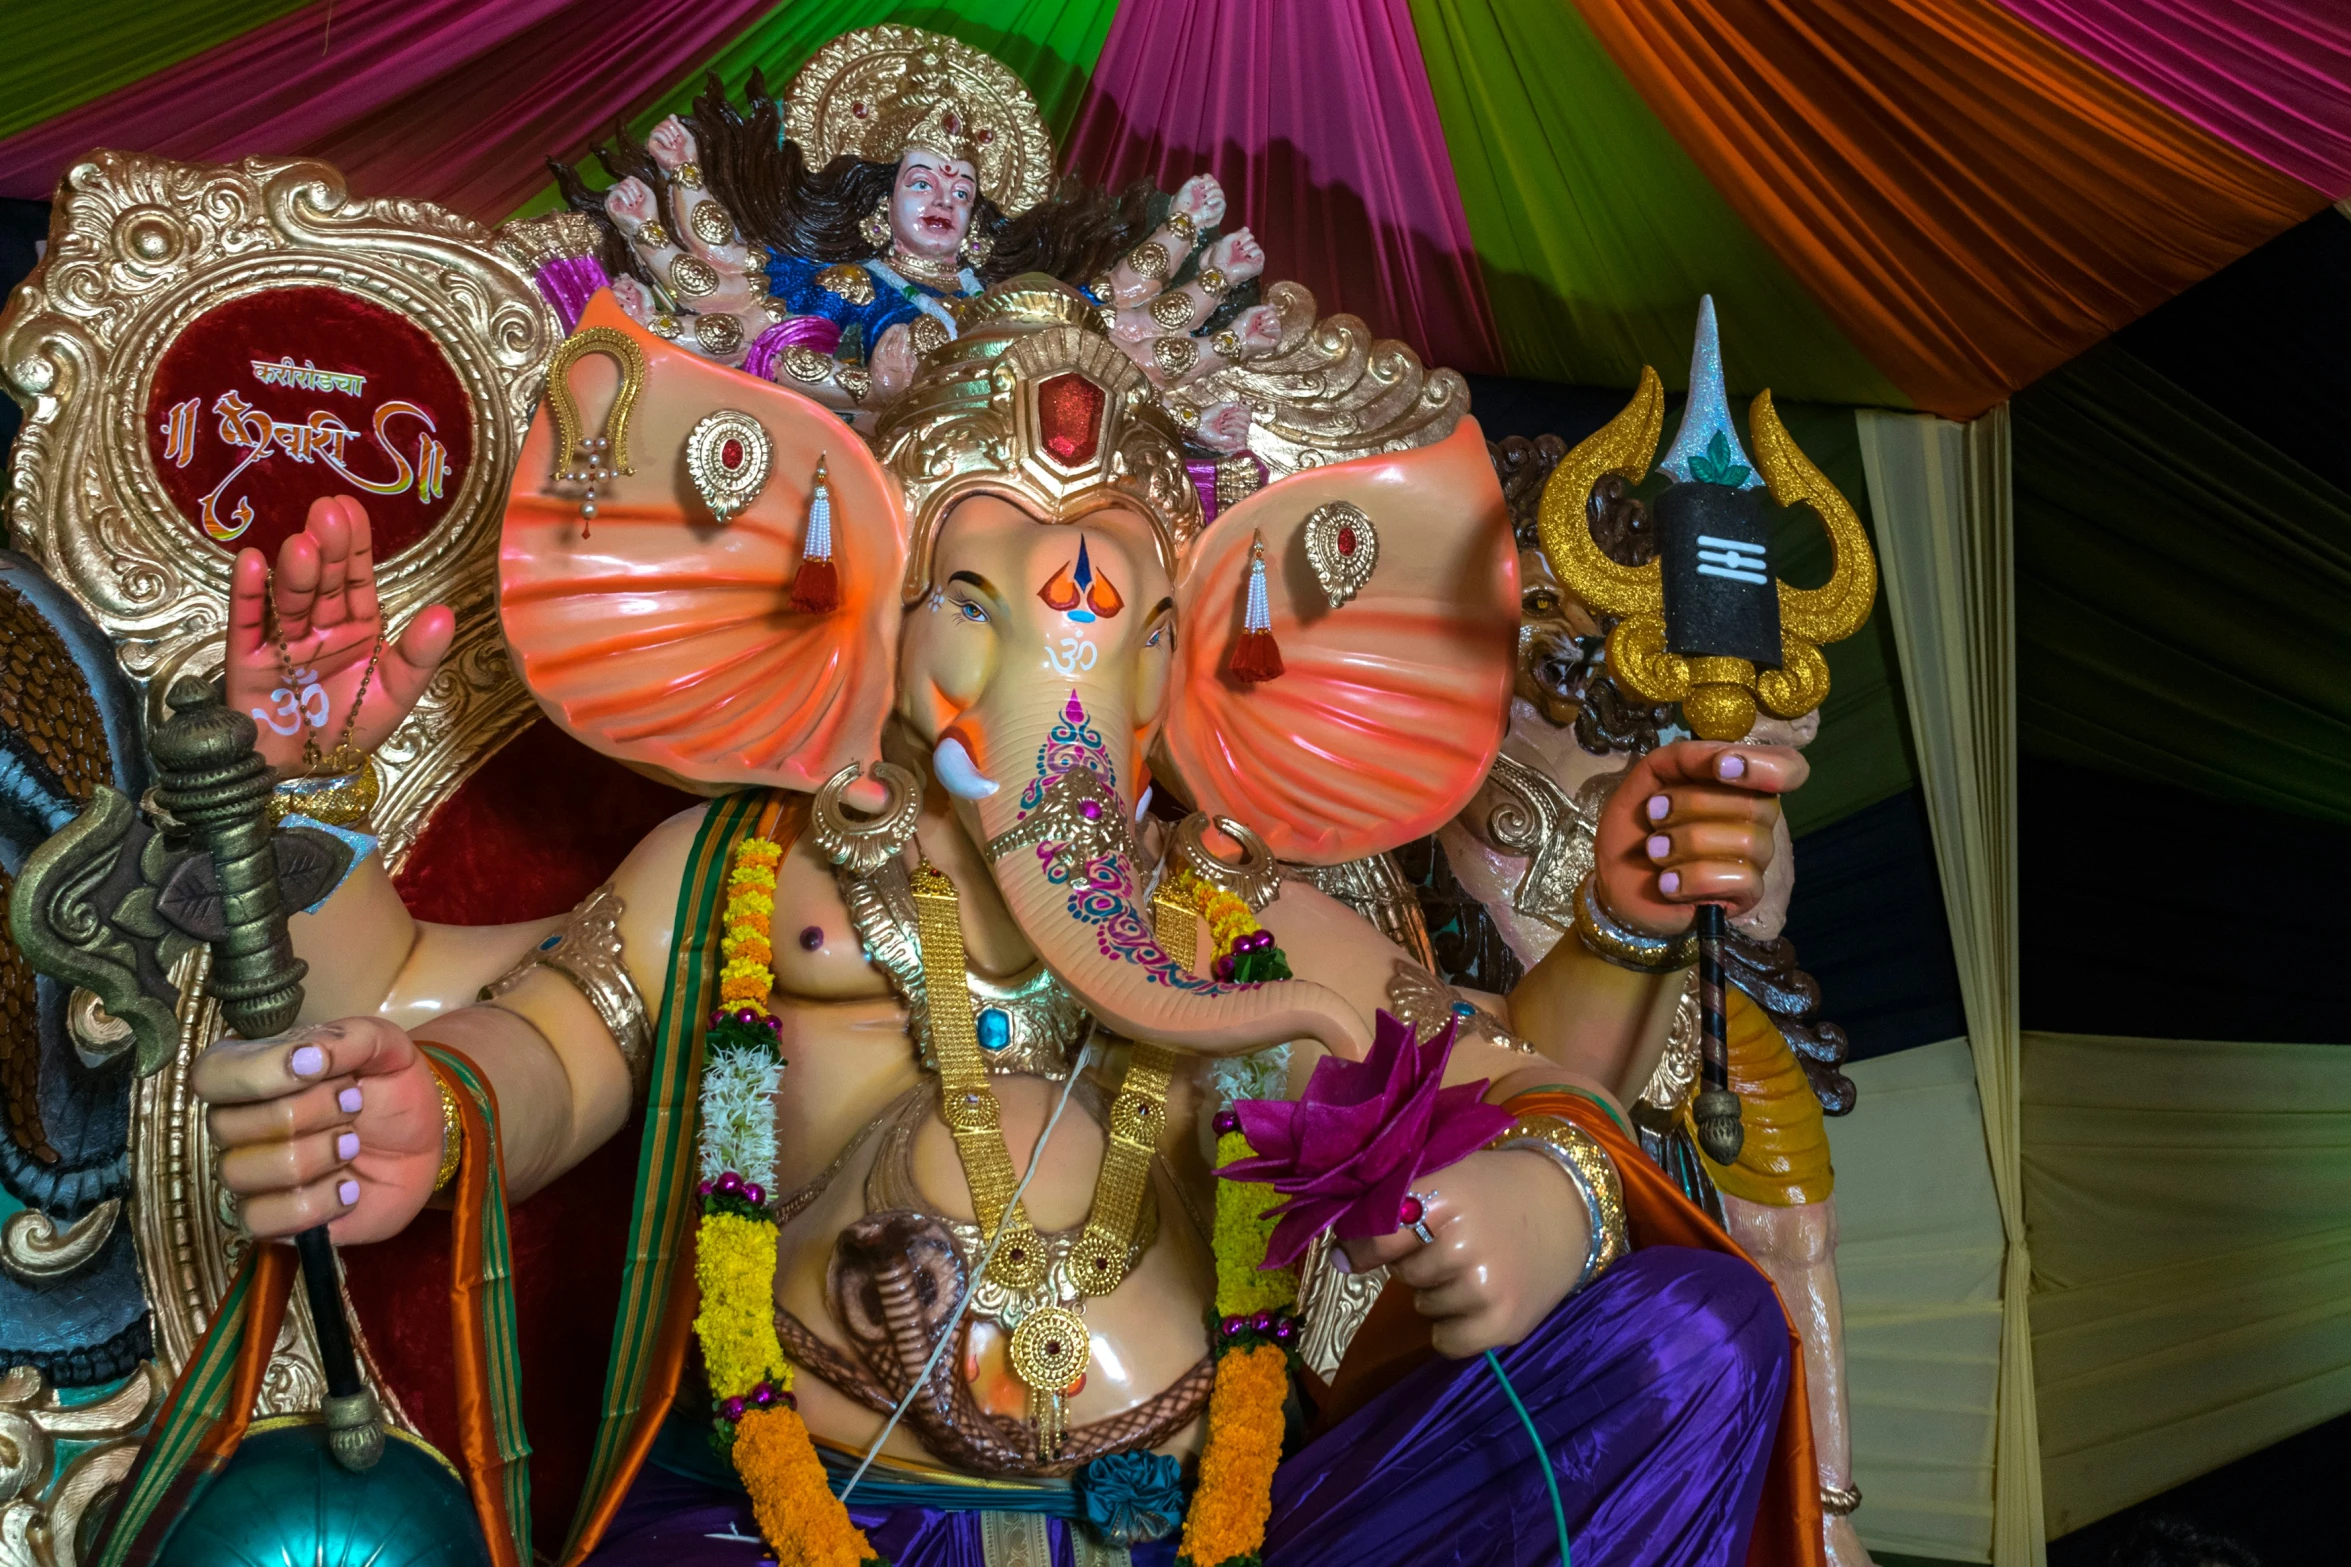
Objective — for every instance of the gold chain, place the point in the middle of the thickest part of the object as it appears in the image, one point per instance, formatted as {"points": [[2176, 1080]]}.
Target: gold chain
{"points": [[346, 757], [1049, 1350]]}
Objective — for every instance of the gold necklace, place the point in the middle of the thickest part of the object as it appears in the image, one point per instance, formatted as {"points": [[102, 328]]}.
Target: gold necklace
{"points": [[925, 269], [1050, 1349]]}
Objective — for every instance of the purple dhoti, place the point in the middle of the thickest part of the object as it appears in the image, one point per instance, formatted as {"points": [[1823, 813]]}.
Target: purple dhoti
{"points": [[1657, 1393]]}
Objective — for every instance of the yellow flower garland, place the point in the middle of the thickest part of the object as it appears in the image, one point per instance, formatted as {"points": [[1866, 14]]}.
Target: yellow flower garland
{"points": [[735, 1244], [1256, 1323]]}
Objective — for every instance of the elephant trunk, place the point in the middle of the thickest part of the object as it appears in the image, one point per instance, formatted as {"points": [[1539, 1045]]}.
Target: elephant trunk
{"points": [[1097, 935]]}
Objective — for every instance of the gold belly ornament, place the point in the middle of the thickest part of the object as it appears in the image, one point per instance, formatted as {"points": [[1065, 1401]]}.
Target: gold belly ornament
{"points": [[1050, 1348]]}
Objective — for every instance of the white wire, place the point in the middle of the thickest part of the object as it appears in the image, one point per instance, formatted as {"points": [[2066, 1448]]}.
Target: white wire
{"points": [[947, 1337]]}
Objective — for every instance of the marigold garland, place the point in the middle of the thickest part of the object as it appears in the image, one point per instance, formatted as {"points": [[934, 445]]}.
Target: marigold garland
{"points": [[735, 1244], [789, 1495], [1225, 1525], [1256, 1326], [1244, 950]]}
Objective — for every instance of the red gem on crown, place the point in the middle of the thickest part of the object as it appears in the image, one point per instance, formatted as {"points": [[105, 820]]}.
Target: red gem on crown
{"points": [[730, 456], [1069, 408]]}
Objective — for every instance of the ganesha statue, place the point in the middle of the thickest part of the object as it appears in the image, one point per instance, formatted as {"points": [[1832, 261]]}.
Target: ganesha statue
{"points": [[1057, 1137]]}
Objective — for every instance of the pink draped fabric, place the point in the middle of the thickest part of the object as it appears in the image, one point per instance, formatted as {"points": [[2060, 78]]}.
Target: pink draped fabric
{"points": [[1317, 117], [2270, 77], [454, 101]]}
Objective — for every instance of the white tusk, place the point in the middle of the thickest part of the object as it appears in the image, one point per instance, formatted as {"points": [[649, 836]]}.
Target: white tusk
{"points": [[953, 766]]}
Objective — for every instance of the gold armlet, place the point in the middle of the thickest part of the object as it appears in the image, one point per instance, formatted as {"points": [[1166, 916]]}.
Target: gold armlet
{"points": [[1840, 1501], [452, 1137], [1586, 1163], [586, 949], [1604, 938]]}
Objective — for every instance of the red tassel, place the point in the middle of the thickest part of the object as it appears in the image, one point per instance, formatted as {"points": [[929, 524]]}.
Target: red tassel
{"points": [[816, 588], [1256, 657]]}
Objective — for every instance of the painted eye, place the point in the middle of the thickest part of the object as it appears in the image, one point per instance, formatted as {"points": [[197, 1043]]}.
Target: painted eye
{"points": [[971, 611]]}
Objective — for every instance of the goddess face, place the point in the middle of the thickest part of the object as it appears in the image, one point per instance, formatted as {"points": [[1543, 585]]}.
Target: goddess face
{"points": [[930, 205]]}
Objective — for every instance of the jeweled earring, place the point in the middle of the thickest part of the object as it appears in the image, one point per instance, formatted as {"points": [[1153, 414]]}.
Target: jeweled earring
{"points": [[1256, 656], [874, 227], [816, 586], [976, 248]]}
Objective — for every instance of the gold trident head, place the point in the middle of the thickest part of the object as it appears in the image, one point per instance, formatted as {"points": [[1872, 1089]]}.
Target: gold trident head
{"points": [[1719, 693]]}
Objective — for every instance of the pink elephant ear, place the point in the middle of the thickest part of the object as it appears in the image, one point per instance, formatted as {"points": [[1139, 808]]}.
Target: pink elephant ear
{"points": [[1391, 705], [662, 636]]}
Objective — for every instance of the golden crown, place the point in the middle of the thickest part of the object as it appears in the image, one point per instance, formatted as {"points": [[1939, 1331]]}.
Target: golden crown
{"points": [[875, 92], [1031, 401]]}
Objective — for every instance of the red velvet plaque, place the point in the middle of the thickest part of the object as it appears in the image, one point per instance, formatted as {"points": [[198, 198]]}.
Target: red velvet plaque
{"points": [[265, 403]]}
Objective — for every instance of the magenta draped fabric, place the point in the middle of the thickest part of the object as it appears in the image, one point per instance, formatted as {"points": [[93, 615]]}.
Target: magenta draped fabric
{"points": [[2270, 77], [454, 101], [1317, 117]]}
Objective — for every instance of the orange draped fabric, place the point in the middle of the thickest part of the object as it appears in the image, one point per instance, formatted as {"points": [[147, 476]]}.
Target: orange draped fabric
{"points": [[1964, 196]]}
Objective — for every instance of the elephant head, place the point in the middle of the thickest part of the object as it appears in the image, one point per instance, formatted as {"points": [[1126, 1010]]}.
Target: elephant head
{"points": [[1026, 590]]}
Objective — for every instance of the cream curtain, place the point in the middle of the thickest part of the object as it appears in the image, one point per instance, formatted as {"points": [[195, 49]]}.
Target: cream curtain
{"points": [[1918, 1261], [2192, 1295], [1940, 494]]}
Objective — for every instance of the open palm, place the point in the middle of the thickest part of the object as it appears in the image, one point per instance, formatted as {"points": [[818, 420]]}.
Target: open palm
{"points": [[301, 646]]}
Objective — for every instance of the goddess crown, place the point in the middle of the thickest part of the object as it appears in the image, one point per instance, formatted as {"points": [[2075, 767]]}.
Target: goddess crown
{"points": [[875, 92]]}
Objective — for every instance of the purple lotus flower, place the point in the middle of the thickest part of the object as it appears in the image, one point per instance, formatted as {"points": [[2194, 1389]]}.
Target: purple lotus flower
{"points": [[1347, 1150]]}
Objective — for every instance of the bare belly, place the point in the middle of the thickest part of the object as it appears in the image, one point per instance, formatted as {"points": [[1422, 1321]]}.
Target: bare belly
{"points": [[1144, 1336]]}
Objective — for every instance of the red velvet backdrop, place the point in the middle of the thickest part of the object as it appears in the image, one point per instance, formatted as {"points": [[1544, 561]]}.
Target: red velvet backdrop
{"points": [[242, 457], [535, 830]]}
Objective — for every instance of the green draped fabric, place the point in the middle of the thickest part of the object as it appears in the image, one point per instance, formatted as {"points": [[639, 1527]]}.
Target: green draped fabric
{"points": [[63, 55], [2183, 594], [1051, 44], [1595, 230]]}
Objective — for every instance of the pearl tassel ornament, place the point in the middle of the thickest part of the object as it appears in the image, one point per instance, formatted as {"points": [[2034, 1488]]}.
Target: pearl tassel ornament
{"points": [[1256, 657], [816, 587]]}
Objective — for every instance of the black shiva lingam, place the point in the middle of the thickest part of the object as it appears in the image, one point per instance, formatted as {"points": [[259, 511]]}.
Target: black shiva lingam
{"points": [[1706, 623]]}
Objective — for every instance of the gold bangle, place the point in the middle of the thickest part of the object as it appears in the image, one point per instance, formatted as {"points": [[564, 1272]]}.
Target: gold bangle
{"points": [[1604, 938], [1579, 1154], [1180, 224], [452, 1136], [338, 800], [1840, 1501]]}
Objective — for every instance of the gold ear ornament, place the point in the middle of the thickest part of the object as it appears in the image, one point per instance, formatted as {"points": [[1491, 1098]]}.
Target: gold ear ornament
{"points": [[1343, 548], [727, 457], [598, 459]]}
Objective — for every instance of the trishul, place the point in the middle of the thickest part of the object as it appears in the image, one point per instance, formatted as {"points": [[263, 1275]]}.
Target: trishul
{"points": [[1719, 694]]}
